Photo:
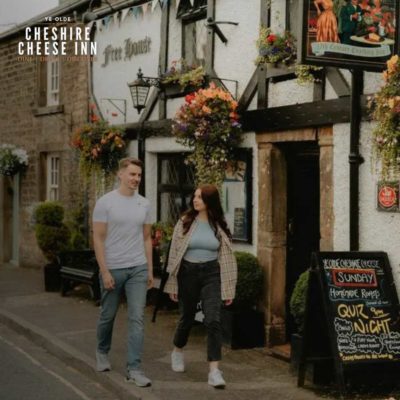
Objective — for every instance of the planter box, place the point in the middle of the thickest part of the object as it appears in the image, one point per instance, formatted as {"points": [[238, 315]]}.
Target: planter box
{"points": [[173, 90], [52, 278], [243, 329]]}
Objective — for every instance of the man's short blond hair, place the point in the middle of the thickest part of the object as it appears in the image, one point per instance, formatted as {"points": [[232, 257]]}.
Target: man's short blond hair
{"points": [[125, 162]]}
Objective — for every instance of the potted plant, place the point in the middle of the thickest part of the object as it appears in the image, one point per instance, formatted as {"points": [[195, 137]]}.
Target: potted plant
{"points": [[385, 110], [242, 322], [208, 123], [274, 48], [161, 234], [182, 77], [13, 160], [52, 236]]}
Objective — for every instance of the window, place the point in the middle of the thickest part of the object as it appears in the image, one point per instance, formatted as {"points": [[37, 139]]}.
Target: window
{"points": [[237, 196], [194, 30], [53, 81], [175, 186], [53, 176], [49, 81], [187, 10]]}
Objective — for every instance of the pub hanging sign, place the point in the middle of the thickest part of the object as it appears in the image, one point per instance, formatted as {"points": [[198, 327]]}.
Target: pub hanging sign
{"points": [[350, 33]]}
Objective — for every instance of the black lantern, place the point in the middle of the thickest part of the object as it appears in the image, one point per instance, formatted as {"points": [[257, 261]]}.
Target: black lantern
{"points": [[140, 89]]}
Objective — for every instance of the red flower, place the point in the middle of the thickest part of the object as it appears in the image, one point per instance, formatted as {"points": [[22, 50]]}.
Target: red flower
{"points": [[189, 98], [271, 38]]}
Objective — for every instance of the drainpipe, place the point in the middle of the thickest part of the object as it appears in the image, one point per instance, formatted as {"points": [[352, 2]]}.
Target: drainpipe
{"points": [[355, 159]]}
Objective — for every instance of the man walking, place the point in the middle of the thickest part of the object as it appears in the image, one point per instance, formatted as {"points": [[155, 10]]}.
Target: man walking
{"points": [[122, 243]]}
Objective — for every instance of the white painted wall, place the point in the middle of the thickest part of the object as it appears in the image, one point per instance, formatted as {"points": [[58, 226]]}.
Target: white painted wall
{"points": [[110, 82]]}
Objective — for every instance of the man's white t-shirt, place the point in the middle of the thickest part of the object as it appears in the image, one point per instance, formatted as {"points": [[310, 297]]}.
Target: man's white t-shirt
{"points": [[125, 217]]}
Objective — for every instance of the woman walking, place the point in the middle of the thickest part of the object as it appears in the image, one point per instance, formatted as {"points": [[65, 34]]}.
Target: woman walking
{"points": [[201, 266]]}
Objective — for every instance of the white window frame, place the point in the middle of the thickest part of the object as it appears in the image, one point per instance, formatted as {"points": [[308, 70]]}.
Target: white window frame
{"points": [[53, 176], [53, 81]]}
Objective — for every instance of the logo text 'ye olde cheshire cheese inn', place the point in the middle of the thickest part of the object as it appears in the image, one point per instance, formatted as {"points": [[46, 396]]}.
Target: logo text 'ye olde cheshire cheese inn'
{"points": [[52, 41]]}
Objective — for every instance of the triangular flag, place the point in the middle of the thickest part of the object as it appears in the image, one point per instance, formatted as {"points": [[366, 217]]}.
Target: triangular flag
{"points": [[124, 13], [192, 2], [90, 25], [116, 17], [137, 11], [144, 7], [177, 2], [154, 5]]}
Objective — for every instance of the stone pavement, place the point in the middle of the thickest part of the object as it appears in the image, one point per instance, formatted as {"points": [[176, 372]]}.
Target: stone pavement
{"points": [[65, 326]]}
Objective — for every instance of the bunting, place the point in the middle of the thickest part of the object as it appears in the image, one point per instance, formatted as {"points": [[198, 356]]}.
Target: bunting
{"points": [[137, 11], [124, 13]]}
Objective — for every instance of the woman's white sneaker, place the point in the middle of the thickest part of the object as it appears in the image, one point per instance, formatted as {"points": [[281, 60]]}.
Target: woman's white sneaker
{"points": [[215, 379], [177, 361]]}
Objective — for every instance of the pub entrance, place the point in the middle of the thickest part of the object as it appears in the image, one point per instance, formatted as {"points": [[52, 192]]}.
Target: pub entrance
{"points": [[303, 221]]}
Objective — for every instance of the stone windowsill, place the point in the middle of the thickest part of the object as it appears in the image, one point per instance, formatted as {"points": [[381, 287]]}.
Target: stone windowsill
{"points": [[39, 111]]}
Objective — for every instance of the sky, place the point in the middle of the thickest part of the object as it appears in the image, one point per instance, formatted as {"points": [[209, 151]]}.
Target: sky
{"points": [[14, 12]]}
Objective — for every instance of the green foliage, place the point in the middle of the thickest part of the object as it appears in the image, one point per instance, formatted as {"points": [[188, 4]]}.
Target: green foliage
{"points": [[306, 74], [12, 160], [209, 124], [250, 282], [274, 48], [52, 235], [298, 300], [76, 225], [49, 213], [385, 109], [184, 74], [100, 147]]}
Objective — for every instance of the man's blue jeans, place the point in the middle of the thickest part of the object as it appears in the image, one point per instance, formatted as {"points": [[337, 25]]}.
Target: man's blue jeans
{"points": [[134, 281]]}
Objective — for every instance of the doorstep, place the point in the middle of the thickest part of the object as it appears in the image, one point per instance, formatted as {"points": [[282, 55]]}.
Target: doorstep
{"points": [[282, 351]]}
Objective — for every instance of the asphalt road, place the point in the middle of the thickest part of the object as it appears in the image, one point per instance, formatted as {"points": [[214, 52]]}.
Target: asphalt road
{"points": [[29, 372]]}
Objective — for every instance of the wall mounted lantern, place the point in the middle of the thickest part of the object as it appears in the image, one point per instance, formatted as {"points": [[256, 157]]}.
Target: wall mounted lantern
{"points": [[140, 89]]}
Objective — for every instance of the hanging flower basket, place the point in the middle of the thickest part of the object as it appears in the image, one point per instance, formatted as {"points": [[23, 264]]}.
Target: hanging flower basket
{"points": [[100, 147], [274, 48], [385, 109], [13, 160], [208, 123], [183, 75]]}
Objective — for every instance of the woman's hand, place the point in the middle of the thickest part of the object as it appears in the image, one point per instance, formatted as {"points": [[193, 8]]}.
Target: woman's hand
{"points": [[228, 302], [150, 280], [173, 297]]}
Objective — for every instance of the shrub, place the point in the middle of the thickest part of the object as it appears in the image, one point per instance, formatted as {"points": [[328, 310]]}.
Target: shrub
{"points": [[298, 300], [52, 235], [249, 286], [49, 213]]}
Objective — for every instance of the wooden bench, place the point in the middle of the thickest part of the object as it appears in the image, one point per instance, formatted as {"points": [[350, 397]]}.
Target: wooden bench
{"points": [[79, 266]]}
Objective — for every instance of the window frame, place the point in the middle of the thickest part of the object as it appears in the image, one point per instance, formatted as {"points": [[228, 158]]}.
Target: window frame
{"points": [[183, 190], [53, 81], [53, 172]]}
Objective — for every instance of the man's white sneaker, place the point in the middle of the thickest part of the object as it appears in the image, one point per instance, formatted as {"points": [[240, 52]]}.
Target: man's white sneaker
{"points": [[215, 379], [138, 378], [102, 362], [177, 361]]}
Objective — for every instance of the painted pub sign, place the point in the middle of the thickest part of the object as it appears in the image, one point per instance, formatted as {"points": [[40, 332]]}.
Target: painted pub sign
{"points": [[350, 33]]}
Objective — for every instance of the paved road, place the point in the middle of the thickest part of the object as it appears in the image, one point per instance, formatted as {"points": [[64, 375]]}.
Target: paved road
{"points": [[29, 372]]}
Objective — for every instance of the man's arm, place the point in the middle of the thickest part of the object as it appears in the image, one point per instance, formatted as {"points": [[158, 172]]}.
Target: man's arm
{"points": [[99, 237], [148, 249]]}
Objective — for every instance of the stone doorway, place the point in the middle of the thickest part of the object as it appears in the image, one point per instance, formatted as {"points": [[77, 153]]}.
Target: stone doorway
{"points": [[275, 173]]}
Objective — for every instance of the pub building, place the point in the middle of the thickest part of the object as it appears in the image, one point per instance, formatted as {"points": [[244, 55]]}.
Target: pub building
{"points": [[306, 180]]}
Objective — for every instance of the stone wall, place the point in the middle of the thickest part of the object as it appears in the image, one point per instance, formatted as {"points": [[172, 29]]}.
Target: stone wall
{"points": [[39, 130]]}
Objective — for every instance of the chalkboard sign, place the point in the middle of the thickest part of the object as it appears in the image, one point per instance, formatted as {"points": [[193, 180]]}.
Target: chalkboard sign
{"points": [[361, 307]]}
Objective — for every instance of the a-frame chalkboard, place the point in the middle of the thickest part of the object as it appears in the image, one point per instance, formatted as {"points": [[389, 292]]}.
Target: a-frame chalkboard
{"points": [[352, 313]]}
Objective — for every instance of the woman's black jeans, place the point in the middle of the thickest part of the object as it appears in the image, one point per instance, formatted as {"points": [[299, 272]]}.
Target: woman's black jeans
{"points": [[200, 281]]}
